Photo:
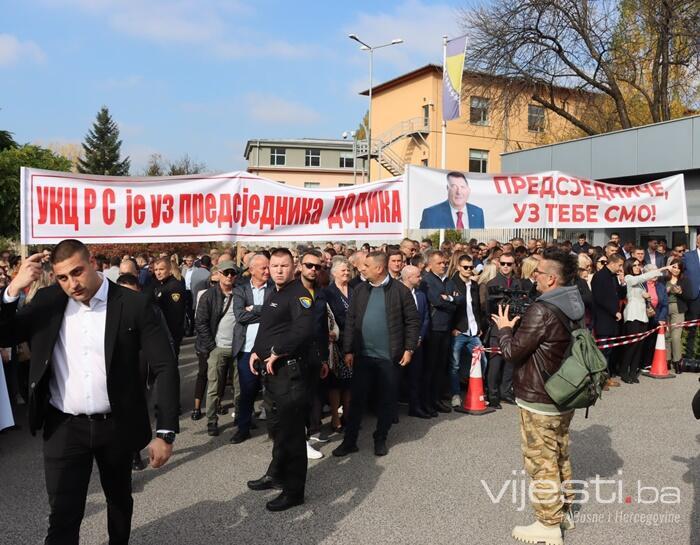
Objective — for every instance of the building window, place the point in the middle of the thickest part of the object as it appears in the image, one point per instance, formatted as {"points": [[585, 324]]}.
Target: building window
{"points": [[278, 156], [313, 158], [479, 111], [535, 118], [346, 160], [478, 160], [341, 184], [311, 185], [426, 115]]}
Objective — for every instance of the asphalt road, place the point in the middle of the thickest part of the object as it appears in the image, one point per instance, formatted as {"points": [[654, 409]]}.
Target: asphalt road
{"points": [[430, 489]]}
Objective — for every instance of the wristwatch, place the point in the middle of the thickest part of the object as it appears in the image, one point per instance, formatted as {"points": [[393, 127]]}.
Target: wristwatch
{"points": [[168, 437]]}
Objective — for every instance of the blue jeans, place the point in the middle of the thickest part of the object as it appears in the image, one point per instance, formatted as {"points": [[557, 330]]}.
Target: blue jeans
{"points": [[459, 343], [250, 385]]}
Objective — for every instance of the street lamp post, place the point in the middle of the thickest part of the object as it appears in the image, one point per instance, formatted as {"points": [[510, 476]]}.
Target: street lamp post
{"points": [[366, 47]]}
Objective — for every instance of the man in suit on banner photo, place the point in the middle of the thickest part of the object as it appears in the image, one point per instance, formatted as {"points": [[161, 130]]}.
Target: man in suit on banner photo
{"points": [[85, 390], [456, 212]]}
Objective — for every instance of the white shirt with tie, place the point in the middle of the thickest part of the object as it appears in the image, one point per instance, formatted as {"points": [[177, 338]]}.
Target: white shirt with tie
{"points": [[473, 326], [455, 217]]}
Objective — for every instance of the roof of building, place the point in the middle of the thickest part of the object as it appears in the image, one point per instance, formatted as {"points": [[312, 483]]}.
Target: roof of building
{"points": [[297, 143], [657, 148]]}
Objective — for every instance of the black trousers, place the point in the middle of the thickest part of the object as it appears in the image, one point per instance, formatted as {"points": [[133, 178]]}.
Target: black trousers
{"points": [[384, 375], [436, 359], [693, 313], [189, 313], [414, 370], [499, 376], [287, 403], [632, 357], [70, 446]]}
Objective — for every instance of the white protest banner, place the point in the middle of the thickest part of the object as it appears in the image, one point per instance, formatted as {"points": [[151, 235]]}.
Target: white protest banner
{"points": [[440, 199], [236, 206]]}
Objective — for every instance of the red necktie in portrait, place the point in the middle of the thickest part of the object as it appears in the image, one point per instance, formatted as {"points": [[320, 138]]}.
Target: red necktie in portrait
{"points": [[460, 223]]}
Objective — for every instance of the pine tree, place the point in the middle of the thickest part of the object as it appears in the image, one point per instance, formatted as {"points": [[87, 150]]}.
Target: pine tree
{"points": [[102, 148]]}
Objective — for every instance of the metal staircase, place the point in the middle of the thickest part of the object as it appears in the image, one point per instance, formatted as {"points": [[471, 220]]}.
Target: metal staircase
{"points": [[414, 128]]}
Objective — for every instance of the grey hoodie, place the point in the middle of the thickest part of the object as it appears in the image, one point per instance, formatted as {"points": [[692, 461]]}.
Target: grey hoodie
{"points": [[567, 299]]}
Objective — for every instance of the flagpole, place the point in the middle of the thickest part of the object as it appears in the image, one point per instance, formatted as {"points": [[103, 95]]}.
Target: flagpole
{"points": [[443, 140]]}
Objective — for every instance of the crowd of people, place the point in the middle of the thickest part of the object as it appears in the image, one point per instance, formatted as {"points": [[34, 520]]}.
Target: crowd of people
{"points": [[626, 290], [371, 326]]}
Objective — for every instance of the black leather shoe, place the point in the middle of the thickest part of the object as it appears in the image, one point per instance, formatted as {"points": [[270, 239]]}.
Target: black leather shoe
{"points": [[442, 408], [264, 483], [137, 463], [196, 414], [635, 380], [509, 400], [432, 413], [344, 449], [239, 437], [380, 448], [213, 429], [418, 413], [284, 501], [495, 404]]}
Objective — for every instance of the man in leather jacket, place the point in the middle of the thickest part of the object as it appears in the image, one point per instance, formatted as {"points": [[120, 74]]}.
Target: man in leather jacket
{"points": [[538, 346]]}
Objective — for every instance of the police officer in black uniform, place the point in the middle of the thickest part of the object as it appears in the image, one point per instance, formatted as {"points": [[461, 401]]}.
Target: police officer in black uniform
{"points": [[169, 295], [286, 328]]}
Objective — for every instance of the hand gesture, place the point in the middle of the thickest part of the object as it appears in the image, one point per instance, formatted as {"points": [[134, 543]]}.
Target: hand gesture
{"points": [[270, 363], [251, 363], [501, 319], [29, 271]]}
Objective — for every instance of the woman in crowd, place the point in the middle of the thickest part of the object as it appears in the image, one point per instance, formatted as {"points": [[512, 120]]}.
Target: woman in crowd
{"points": [[600, 262], [527, 273], [454, 264], [657, 299], [338, 295], [635, 316], [583, 283], [677, 286], [175, 267]]}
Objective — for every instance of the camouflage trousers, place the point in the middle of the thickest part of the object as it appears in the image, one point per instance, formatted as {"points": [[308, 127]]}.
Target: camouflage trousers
{"points": [[545, 445]]}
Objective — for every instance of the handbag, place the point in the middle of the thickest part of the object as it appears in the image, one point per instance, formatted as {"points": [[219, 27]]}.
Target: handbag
{"points": [[650, 309]]}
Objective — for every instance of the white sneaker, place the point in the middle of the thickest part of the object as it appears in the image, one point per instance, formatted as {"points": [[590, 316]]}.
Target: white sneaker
{"points": [[318, 438], [263, 414], [538, 533], [312, 453], [456, 401], [233, 414], [340, 410]]}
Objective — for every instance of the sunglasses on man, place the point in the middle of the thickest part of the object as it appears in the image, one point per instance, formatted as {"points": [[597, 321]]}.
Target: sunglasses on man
{"points": [[467, 267], [507, 263], [310, 266], [228, 272]]}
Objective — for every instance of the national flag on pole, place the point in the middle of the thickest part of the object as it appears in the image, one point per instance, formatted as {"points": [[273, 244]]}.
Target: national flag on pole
{"points": [[455, 52]]}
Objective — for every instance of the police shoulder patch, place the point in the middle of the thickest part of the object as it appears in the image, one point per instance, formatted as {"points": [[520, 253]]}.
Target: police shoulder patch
{"points": [[305, 302], [175, 297]]}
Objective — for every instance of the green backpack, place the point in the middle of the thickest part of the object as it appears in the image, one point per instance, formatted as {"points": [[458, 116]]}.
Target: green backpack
{"points": [[579, 381]]}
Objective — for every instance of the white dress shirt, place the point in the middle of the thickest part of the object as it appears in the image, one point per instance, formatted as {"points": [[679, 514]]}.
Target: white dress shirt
{"points": [[252, 330], [473, 326], [78, 383]]}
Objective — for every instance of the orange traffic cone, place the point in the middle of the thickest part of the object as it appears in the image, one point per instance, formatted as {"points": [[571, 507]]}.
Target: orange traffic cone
{"points": [[474, 400], [659, 366]]}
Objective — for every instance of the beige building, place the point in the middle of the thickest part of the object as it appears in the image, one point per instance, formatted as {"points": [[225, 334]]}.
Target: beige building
{"points": [[407, 124], [310, 163]]}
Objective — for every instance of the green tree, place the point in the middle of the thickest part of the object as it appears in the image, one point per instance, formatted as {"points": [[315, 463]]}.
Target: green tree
{"points": [[102, 148], [361, 131], [10, 162], [160, 166], [6, 140]]}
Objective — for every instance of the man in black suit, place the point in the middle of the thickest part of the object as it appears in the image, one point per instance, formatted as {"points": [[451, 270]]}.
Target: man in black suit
{"points": [[607, 318], [85, 391]]}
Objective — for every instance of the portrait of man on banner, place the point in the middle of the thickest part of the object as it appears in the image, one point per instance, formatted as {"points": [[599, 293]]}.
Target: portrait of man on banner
{"points": [[455, 212]]}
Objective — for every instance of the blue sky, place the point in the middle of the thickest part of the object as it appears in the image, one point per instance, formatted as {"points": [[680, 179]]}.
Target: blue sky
{"points": [[203, 76]]}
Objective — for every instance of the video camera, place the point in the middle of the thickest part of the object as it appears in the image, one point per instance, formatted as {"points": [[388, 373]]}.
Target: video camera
{"points": [[518, 300]]}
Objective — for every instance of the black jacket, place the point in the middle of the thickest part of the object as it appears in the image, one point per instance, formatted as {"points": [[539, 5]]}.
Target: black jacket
{"points": [[131, 325], [441, 310], [210, 310], [402, 319], [243, 298], [170, 297], [607, 294], [461, 321]]}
